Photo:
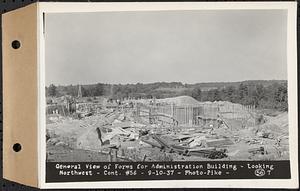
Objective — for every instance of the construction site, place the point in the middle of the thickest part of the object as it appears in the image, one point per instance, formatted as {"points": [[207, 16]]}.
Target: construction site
{"points": [[81, 129]]}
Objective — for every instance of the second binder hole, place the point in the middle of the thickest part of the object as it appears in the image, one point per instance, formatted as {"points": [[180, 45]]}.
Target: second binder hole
{"points": [[16, 44], [17, 147]]}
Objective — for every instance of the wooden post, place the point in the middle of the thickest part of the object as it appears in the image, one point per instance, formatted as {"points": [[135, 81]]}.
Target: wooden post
{"points": [[233, 112], [109, 156], [150, 115], [185, 115], [190, 116], [116, 155], [144, 157], [63, 110], [172, 110]]}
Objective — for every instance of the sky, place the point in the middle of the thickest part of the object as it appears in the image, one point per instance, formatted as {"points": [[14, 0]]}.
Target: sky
{"points": [[165, 46]]}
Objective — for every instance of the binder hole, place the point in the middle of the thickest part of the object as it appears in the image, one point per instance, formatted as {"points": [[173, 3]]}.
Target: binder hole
{"points": [[16, 44], [17, 147]]}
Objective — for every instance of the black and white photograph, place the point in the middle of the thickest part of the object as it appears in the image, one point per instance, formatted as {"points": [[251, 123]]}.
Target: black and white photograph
{"points": [[187, 85]]}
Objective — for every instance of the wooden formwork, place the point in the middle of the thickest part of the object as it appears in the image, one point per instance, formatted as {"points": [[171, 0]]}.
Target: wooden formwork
{"points": [[60, 109], [191, 115]]}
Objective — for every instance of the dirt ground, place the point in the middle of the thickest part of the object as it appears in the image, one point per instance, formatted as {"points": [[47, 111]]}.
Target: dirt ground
{"points": [[118, 135]]}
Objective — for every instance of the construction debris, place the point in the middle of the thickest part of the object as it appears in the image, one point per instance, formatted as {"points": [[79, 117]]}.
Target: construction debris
{"points": [[258, 150], [219, 142]]}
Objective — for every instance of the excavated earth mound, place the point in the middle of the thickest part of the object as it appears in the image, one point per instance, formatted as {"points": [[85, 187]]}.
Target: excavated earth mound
{"points": [[180, 100]]}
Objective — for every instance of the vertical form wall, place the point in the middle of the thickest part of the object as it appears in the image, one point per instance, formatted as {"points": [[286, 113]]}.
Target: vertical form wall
{"points": [[188, 115]]}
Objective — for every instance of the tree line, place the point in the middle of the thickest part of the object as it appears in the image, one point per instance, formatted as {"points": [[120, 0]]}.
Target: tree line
{"points": [[261, 94], [270, 97]]}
